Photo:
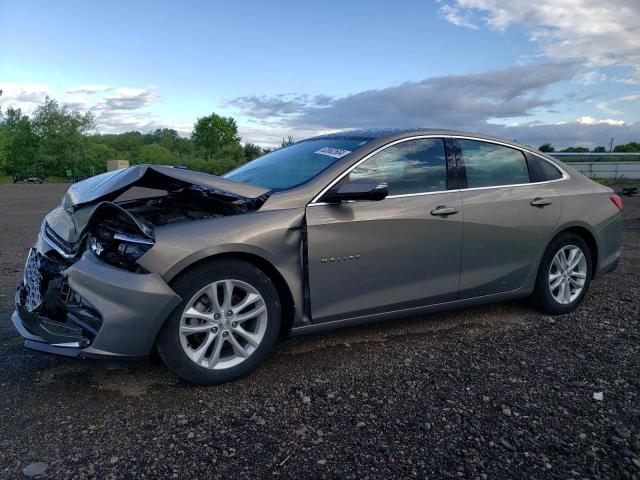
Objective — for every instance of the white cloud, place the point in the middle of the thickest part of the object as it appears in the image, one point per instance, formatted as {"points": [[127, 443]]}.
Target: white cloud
{"points": [[76, 102], [90, 89], [452, 101], [634, 97], [128, 99], [588, 120], [570, 134], [627, 81], [454, 14], [606, 108], [603, 32], [117, 109], [31, 93], [590, 78]]}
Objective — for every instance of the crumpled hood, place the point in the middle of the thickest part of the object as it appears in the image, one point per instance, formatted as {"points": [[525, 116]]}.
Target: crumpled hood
{"points": [[108, 186]]}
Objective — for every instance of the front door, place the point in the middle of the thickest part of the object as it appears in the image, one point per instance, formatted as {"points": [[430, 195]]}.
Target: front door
{"points": [[401, 252]]}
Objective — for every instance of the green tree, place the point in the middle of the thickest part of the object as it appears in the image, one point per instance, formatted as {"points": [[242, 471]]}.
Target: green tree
{"points": [[575, 150], [288, 141], [96, 156], [154, 154], [61, 131], [251, 151], [227, 158], [631, 147], [20, 145], [547, 147], [167, 138], [212, 132], [600, 149], [57, 138]]}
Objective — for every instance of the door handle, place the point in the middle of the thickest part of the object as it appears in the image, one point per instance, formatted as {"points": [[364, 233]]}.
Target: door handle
{"points": [[443, 211], [540, 202]]}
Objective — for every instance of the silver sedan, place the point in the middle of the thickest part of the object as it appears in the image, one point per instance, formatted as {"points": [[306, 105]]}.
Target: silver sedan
{"points": [[331, 231]]}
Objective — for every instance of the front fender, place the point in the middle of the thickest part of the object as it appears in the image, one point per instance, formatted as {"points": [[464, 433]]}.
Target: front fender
{"points": [[274, 236]]}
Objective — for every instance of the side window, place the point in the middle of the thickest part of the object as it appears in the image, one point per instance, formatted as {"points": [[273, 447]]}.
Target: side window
{"points": [[490, 165], [414, 166], [541, 170], [549, 170]]}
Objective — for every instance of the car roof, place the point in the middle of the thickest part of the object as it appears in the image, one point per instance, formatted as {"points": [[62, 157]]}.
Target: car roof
{"points": [[398, 133]]}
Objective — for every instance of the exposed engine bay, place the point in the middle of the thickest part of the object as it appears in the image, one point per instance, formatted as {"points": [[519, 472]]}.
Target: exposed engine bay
{"points": [[120, 232]]}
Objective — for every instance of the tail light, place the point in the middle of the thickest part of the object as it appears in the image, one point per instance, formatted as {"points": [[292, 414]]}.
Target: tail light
{"points": [[617, 201]]}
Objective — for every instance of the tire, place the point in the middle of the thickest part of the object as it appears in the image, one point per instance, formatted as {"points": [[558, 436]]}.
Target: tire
{"points": [[180, 351], [544, 297]]}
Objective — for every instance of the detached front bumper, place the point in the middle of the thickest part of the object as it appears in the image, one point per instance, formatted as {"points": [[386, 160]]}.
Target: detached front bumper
{"points": [[91, 309]]}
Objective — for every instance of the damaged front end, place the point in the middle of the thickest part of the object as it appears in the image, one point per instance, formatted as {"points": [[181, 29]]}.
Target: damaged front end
{"points": [[50, 309], [83, 292]]}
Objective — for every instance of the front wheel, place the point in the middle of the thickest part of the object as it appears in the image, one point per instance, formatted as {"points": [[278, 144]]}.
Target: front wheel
{"points": [[226, 324], [564, 275]]}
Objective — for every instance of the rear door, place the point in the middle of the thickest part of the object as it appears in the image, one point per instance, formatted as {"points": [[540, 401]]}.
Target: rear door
{"points": [[508, 218], [372, 257]]}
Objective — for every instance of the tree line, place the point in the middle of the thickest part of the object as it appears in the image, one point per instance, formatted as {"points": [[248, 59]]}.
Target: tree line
{"points": [[631, 147], [57, 141]]}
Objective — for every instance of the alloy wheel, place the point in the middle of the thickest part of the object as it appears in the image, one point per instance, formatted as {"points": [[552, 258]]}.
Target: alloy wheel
{"points": [[567, 274], [223, 324]]}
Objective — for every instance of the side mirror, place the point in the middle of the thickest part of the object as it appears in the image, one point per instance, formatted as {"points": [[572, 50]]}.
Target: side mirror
{"points": [[357, 190]]}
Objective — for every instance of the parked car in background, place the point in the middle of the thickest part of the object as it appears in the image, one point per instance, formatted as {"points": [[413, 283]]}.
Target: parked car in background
{"points": [[331, 231], [31, 179]]}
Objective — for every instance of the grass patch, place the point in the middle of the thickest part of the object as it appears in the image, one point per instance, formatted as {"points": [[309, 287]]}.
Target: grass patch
{"points": [[57, 180], [617, 182]]}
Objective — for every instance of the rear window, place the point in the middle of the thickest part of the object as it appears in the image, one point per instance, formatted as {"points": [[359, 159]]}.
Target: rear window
{"points": [[490, 165], [296, 164]]}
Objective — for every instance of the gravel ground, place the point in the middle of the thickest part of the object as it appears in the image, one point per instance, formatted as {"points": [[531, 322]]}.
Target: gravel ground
{"points": [[497, 391]]}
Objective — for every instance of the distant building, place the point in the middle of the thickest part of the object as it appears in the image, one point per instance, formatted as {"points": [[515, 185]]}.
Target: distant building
{"points": [[117, 165]]}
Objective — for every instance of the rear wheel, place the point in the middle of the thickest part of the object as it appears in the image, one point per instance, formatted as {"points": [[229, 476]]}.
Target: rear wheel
{"points": [[225, 326], [564, 275]]}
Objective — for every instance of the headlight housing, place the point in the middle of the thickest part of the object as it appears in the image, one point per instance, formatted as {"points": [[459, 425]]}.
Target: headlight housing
{"points": [[120, 250], [118, 238]]}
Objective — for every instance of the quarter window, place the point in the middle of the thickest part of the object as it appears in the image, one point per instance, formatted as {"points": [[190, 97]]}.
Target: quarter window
{"points": [[414, 166], [550, 171], [490, 165]]}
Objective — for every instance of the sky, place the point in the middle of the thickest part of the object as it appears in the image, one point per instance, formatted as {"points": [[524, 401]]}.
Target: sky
{"points": [[560, 71]]}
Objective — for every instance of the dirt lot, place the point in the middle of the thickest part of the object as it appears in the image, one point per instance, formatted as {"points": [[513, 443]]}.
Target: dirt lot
{"points": [[497, 391]]}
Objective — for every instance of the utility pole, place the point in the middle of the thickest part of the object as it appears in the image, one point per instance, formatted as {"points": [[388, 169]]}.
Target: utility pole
{"points": [[610, 146]]}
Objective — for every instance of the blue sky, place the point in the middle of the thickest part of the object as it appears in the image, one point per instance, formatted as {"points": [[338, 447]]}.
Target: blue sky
{"points": [[565, 71]]}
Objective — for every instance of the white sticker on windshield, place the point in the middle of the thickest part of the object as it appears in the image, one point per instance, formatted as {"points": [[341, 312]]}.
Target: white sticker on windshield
{"points": [[333, 152]]}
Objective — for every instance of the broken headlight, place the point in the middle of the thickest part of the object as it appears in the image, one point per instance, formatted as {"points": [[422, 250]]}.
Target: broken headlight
{"points": [[120, 250]]}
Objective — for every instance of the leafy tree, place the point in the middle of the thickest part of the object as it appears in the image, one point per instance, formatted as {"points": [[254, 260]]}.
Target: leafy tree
{"points": [[288, 141], [61, 131], [575, 150], [547, 147], [20, 144], [212, 132], [251, 151], [226, 159], [631, 147], [600, 149], [96, 156], [167, 138], [154, 154]]}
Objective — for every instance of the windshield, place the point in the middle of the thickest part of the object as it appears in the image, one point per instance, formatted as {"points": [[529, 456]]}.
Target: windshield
{"points": [[294, 165]]}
